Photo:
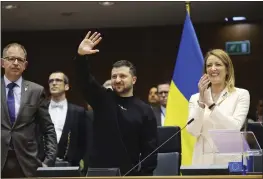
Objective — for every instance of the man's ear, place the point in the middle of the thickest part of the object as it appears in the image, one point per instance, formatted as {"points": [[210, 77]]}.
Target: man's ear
{"points": [[66, 87], [26, 63], [2, 63], [134, 79]]}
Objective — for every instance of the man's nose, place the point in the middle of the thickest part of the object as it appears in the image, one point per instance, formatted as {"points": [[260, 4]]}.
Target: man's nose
{"points": [[118, 79], [16, 62], [54, 82]]}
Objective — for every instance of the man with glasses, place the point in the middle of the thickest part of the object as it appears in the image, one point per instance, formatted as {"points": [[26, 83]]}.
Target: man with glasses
{"points": [[72, 125], [160, 111], [23, 113]]}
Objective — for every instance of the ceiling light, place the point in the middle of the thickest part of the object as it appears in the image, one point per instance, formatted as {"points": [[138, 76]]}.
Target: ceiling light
{"points": [[9, 6], [106, 3], [239, 18], [226, 19]]}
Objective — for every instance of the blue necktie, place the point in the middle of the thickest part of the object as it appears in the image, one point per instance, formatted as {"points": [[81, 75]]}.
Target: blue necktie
{"points": [[11, 102]]}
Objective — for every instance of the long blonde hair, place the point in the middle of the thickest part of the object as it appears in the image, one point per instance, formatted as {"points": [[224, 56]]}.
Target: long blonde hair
{"points": [[224, 57]]}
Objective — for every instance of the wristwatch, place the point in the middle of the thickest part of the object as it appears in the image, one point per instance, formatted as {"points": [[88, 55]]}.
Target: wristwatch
{"points": [[211, 106]]}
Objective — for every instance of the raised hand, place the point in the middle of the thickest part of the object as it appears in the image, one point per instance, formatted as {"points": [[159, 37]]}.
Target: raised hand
{"points": [[88, 43]]}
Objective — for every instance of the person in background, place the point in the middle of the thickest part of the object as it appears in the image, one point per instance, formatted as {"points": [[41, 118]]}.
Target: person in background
{"points": [[72, 124], [160, 111], [218, 105], [107, 84], [153, 98]]}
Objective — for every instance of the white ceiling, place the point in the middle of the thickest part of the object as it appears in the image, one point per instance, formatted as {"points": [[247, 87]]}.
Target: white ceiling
{"points": [[47, 15]]}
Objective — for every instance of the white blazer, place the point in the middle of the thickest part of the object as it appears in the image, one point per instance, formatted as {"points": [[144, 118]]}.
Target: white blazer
{"points": [[230, 112]]}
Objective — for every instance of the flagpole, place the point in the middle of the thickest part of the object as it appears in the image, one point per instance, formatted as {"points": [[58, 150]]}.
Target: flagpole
{"points": [[187, 5]]}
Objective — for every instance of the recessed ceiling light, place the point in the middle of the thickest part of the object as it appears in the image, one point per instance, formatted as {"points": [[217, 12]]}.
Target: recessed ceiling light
{"points": [[106, 3], [239, 18], [9, 6]]}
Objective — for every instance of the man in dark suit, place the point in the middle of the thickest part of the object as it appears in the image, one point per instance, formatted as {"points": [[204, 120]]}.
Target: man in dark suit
{"points": [[72, 123], [24, 110], [160, 111]]}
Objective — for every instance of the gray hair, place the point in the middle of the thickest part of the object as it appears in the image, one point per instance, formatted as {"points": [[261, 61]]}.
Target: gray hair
{"points": [[14, 45]]}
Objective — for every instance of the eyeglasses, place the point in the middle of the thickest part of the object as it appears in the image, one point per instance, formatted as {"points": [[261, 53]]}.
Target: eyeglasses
{"points": [[57, 80], [14, 59]]}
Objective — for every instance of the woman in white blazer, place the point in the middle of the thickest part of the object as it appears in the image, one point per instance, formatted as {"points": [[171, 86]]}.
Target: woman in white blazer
{"points": [[218, 105]]}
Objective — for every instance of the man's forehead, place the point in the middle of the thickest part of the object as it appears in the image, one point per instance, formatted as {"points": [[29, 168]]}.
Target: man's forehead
{"points": [[56, 75], [122, 69], [15, 51], [153, 89], [163, 87]]}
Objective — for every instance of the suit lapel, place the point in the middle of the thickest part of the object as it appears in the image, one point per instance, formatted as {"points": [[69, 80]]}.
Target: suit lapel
{"points": [[4, 102], [157, 113], [3, 93], [63, 142], [224, 94], [160, 116]]}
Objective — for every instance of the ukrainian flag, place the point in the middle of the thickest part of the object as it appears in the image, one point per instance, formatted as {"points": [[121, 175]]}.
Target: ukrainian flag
{"points": [[187, 72]]}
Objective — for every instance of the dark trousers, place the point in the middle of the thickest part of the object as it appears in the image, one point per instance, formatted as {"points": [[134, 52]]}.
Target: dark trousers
{"points": [[12, 168]]}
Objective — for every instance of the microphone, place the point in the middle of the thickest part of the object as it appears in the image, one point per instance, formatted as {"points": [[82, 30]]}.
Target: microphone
{"points": [[189, 122]]}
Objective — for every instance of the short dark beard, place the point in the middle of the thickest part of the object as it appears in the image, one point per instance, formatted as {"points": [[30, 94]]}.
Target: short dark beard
{"points": [[126, 90]]}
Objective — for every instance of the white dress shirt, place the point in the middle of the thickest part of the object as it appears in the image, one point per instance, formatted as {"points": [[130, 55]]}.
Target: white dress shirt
{"points": [[17, 92], [58, 113], [163, 112]]}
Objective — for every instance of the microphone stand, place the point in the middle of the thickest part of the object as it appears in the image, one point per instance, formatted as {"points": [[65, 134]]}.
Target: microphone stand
{"points": [[189, 122]]}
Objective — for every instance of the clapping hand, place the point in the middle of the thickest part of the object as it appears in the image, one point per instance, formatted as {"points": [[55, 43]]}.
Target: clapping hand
{"points": [[205, 96]]}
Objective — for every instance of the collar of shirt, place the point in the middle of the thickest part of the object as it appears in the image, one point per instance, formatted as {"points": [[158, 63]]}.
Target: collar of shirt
{"points": [[163, 110], [60, 103], [17, 82]]}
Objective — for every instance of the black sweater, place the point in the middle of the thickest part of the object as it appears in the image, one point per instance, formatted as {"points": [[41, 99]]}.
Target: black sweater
{"points": [[123, 129]]}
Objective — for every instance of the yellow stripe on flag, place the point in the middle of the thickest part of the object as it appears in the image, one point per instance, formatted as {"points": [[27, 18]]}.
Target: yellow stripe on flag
{"points": [[178, 106]]}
